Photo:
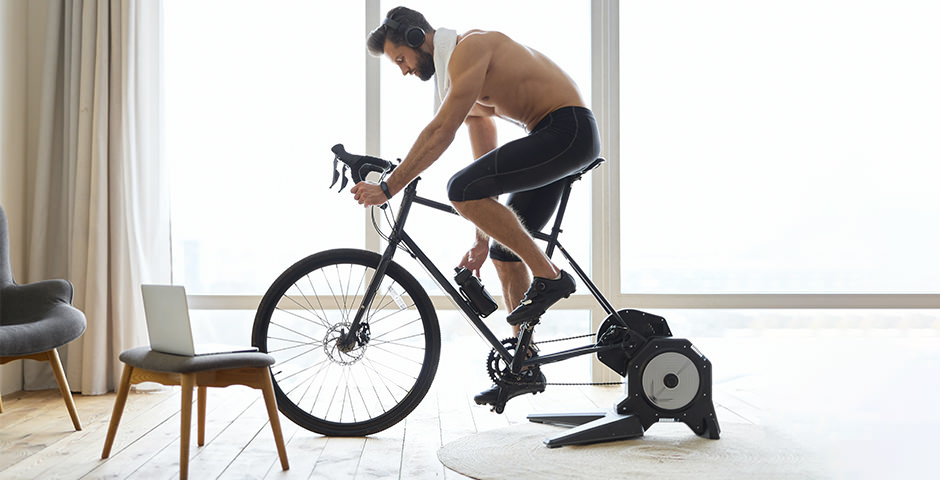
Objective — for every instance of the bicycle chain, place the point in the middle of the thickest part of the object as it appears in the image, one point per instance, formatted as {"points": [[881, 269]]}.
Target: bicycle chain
{"points": [[563, 384]]}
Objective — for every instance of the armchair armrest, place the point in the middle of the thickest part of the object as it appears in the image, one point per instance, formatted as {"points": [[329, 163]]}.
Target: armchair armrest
{"points": [[31, 301]]}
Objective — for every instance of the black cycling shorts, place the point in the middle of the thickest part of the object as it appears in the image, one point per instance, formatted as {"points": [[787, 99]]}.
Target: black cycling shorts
{"points": [[532, 169]]}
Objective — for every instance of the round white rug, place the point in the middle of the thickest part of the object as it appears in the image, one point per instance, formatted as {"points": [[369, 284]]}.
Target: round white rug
{"points": [[666, 451]]}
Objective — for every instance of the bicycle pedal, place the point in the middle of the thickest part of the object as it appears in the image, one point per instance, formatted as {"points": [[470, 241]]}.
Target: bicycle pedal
{"points": [[500, 404]]}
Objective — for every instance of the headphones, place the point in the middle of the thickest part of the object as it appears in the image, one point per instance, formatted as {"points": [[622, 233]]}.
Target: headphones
{"points": [[414, 36]]}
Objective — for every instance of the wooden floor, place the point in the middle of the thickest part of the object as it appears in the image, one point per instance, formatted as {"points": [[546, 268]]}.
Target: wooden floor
{"points": [[867, 405], [37, 441]]}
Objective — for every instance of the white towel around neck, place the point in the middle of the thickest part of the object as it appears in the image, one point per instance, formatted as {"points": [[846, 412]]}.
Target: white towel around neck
{"points": [[444, 42]]}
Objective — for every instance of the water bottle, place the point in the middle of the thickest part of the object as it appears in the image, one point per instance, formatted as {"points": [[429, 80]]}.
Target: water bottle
{"points": [[474, 292]]}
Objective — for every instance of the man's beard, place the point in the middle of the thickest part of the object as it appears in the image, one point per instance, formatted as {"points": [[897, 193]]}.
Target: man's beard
{"points": [[425, 65]]}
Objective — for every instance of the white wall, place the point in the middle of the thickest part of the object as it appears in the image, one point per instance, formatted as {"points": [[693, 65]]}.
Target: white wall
{"points": [[13, 74]]}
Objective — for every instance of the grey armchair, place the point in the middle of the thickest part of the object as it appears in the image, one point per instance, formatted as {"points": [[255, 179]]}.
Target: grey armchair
{"points": [[36, 318]]}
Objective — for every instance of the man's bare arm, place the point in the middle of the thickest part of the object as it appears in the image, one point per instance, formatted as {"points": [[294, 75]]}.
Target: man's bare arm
{"points": [[482, 130], [483, 139]]}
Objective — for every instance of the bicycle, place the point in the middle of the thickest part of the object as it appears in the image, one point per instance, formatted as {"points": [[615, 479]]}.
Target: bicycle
{"points": [[357, 340]]}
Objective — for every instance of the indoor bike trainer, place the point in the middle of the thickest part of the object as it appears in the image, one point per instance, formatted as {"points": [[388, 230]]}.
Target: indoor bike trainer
{"points": [[668, 379]]}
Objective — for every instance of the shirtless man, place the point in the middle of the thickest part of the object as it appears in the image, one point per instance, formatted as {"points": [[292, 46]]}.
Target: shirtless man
{"points": [[491, 76]]}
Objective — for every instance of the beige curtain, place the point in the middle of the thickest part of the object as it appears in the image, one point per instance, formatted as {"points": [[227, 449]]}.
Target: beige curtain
{"points": [[98, 207]]}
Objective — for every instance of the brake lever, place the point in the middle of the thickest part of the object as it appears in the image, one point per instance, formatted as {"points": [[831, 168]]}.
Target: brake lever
{"points": [[335, 171], [337, 174]]}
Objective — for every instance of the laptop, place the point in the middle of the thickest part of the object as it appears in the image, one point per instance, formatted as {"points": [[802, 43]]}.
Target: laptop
{"points": [[168, 324]]}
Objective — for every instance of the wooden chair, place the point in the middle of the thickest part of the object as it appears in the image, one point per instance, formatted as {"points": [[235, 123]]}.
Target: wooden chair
{"points": [[218, 370]]}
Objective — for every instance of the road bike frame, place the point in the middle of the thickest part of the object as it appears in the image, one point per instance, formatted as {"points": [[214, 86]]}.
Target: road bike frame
{"points": [[517, 361]]}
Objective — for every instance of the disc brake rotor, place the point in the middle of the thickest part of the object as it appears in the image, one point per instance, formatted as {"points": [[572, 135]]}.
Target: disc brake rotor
{"points": [[331, 346]]}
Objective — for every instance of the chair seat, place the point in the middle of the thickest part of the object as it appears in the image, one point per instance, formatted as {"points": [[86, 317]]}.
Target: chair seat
{"points": [[41, 335], [145, 358]]}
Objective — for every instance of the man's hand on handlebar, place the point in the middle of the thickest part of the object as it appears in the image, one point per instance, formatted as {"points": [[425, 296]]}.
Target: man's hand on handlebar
{"points": [[368, 194]]}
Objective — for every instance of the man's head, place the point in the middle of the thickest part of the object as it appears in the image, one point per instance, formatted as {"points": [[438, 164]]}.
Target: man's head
{"points": [[402, 38]]}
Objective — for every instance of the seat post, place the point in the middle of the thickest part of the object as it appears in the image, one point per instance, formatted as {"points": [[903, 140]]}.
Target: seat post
{"points": [[552, 238], [556, 227]]}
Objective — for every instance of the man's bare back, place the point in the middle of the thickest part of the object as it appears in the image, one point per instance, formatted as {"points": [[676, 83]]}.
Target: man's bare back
{"points": [[521, 84]]}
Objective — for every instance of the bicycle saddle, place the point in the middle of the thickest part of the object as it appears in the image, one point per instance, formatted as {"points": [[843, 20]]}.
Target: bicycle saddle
{"points": [[358, 165]]}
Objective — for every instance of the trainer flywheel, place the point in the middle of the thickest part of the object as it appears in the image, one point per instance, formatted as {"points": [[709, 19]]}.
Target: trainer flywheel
{"points": [[670, 381]]}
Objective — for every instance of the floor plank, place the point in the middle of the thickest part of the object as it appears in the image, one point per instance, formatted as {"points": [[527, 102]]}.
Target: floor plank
{"points": [[422, 441], [382, 454], [339, 460]]}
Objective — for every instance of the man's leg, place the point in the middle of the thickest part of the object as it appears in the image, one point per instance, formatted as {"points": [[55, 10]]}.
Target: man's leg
{"points": [[502, 225], [515, 280]]}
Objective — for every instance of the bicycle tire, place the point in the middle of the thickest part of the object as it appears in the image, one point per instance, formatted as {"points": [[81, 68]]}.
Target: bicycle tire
{"points": [[372, 387]]}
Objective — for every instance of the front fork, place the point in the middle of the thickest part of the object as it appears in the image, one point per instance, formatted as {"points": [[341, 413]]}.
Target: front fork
{"points": [[355, 337], [359, 333]]}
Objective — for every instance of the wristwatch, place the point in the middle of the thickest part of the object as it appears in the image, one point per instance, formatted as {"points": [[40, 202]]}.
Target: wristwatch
{"points": [[384, 186]]}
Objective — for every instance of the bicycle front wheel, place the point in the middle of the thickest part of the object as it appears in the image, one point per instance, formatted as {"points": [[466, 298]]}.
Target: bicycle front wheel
{"points": [[364, 390]]}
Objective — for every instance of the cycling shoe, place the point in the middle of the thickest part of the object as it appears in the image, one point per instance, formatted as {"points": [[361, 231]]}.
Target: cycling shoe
{"points": [[543, 293], [530, 384]]}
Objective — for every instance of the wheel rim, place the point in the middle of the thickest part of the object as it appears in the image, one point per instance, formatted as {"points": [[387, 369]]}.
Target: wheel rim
{"points": [[345, 388]]}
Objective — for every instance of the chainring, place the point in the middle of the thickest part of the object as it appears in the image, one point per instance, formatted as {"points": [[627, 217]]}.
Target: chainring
{"points": [[500, 372]]}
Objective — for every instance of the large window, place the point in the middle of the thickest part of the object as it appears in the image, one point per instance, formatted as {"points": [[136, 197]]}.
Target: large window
{"points": [[767, 148], [779, 147], [257, 96], [257, 93]]}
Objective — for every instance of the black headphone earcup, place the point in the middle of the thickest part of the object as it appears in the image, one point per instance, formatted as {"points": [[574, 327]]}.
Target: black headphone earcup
{"points": [[414, 37]]}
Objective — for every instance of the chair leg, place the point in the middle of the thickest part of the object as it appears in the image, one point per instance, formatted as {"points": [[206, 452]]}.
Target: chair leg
{"points": [[267, 390], [201, 415], [53, 356], [1, 404], [118, 409], [187, 383]]}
